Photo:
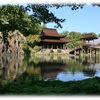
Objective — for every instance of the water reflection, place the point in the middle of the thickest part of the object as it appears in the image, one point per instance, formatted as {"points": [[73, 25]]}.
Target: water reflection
{"points": [[10, 68], [62, 68], [69, 68], [50, 70]]}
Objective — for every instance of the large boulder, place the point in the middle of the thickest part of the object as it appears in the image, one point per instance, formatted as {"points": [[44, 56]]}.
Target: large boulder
{"points": [[16, 41]]}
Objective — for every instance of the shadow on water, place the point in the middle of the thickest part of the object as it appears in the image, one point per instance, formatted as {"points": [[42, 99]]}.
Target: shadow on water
{"points": [[45, 68]]}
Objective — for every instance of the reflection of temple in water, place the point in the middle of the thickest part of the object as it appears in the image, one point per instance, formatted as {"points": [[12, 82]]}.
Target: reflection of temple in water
{"points": [[90, 63], [50, 70], [89, 72]]}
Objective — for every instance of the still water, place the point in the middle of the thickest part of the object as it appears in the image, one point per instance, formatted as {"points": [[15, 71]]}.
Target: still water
{"points": [[46, 68]]}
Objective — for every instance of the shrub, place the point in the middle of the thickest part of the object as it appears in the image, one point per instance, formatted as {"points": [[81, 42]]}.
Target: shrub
{"points": [[59, 58], [26, 49], [59, 51], [36, 48], [51, 50]]}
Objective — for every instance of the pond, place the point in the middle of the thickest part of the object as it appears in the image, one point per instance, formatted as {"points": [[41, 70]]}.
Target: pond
{"points": [[63, 68]]}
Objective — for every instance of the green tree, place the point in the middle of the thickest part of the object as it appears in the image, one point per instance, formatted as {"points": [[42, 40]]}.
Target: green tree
{"points": [[89, 33], [32, 40], [73, 38], [65, 33], [84, 33], [98, 35], [15, 17], [42, 14], [92, 33]]}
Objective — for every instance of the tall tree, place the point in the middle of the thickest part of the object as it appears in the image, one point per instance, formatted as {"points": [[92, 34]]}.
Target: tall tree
{"points": [[74, 37], [42, 14], [98, 35], [15, 17], [65, 33]]}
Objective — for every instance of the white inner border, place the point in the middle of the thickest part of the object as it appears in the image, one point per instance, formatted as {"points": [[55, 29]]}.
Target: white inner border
{"points": [[46, 1], [48, 97]]}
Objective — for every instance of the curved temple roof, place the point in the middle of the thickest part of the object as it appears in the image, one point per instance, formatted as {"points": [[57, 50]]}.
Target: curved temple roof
{"points": [[89, 37], [51, 35], [50, 32]]}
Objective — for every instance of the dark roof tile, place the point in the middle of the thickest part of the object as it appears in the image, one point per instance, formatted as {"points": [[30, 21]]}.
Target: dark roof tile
{"points": [[89, 36], [48, 32]]}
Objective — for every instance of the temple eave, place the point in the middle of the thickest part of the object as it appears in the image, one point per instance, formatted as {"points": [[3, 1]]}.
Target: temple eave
{"points": [[54, 41]]}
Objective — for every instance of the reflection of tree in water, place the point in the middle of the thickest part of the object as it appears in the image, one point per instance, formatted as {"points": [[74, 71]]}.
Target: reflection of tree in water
{"points": [[32, 71], [89, 72], [74, 66], [43, 68], [49, 68], [27, 76], [89, 65], [88, 60], [10, 68], [31, 68]]}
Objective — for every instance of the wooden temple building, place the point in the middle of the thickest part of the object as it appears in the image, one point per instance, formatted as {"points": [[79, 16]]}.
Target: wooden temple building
{"points": [[51, 39], [89, 47], [89, 37]]}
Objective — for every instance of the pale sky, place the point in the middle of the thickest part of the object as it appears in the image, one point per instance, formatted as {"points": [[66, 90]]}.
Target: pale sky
{"points": [[81, 20]]}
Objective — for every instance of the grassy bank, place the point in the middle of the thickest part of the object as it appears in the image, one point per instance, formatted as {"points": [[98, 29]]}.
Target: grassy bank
{"points": [[85, 87]]}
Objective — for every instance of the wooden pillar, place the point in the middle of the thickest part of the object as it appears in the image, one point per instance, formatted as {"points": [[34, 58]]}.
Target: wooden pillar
{"points": [[82, 51], [74, 52], [90, 51], [64, 46], [95, 52], [93, 41], [5, 48], [57, 46], [47, 47], [61, 46], [52, 46], [88, 42], [95, 56], [79, 52], [86, 51], [99, 51]]}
